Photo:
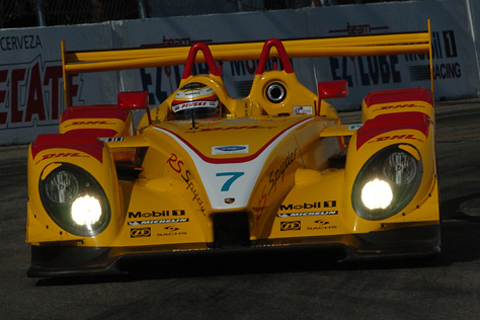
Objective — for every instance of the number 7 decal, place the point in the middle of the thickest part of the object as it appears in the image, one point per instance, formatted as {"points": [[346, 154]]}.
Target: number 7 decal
{"points": [[233, 176]]}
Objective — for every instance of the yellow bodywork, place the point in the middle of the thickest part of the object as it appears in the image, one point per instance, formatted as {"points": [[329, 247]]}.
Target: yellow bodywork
{"points": [[268, 163]]}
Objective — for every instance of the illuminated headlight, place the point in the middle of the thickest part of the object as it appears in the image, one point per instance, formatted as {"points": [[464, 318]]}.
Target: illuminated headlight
{"points": [[86, 210], [387, 182], [74, 199], [377, 194]]}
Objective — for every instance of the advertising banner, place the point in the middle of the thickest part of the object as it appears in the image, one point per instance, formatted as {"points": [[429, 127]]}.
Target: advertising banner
{"points": [[31, 96], [454, 60]]}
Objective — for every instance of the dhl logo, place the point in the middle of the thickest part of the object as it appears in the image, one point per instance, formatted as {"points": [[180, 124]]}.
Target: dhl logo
{"points": [[396, 137], [401, 106], [61, 155], [89, 123], [76, 123]]}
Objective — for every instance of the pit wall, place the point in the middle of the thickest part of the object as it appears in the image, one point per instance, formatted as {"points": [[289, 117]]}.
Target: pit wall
{"points": [[31, 97]]}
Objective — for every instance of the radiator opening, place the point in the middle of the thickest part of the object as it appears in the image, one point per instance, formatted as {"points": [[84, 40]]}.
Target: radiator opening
{"points": [[231, 230]]}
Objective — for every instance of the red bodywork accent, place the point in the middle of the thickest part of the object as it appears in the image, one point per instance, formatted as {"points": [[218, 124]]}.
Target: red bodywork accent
{"points": [[84, 143], [402, 95], [95, 112], [101, 133], [391, 122], [94, 115], [192, 54], [332, 89], [135, 100], [282, 53]]}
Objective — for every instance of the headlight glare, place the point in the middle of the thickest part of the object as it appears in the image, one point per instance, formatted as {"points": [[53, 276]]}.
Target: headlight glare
{"points": [[377, 194], [387, 182], [86, 210]]}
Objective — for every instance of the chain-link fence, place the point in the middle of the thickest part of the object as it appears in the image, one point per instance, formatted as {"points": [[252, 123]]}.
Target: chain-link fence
{"points": [[29, 13]]}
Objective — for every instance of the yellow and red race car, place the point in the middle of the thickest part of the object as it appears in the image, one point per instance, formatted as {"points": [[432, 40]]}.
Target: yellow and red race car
{"points": [[205, 171]]}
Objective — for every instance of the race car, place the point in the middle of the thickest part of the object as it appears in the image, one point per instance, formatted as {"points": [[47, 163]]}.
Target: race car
{"points": [[204, 171]]}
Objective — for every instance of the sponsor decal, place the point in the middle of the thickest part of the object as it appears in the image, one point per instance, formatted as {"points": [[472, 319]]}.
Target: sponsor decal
{"points": [[302, 110], [230, 149], [61, 155], [140, 232], [355, 126], [229, 200], [401, 106], [279, 173], [177, 166], [307, 214], [195, 104], [290, 225], [171, 231], [229, 128], [150, 214], [149, 222], [322, 225], [309, 205], [396, 137], [90, 122], [111, 139]]}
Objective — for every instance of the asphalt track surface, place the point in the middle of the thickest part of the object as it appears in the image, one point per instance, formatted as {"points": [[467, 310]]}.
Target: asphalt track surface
{"points": [[300, 285]]}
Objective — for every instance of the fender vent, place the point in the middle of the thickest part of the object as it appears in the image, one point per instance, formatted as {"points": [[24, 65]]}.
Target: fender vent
{"points": [[231, 230]]}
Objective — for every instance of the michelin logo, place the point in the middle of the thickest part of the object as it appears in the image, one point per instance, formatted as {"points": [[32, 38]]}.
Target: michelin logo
{"points": [[148, 222]]}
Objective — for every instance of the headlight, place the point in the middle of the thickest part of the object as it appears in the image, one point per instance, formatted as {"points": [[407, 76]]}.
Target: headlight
{"points": [[377, 194], [387, 182], [74, 199]]}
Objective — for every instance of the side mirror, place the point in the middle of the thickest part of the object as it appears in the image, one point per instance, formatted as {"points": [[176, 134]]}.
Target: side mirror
{"points": [[134, 100], [333, 89]]}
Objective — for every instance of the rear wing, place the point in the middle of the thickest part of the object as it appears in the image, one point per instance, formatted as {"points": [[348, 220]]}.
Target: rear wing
{"points": [[122, 59]]}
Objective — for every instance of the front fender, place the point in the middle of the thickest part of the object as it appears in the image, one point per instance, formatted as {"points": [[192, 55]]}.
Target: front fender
{"points": [[86, 152]]}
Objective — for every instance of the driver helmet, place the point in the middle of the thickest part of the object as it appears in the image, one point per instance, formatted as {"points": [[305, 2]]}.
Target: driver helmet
{"points": [[195, 100]]}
